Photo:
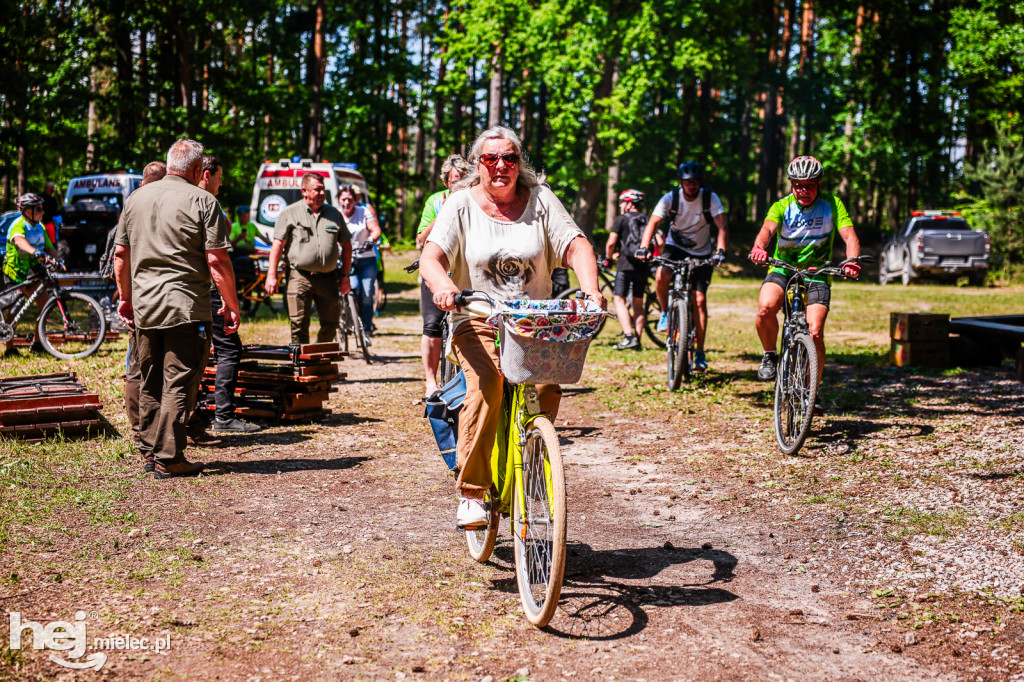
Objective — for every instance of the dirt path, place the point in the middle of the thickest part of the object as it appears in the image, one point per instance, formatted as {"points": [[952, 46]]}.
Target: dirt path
{"points": [[328, 552]]}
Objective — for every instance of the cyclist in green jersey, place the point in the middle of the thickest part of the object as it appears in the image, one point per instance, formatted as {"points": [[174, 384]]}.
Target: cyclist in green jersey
{"points": [[806, 222]]}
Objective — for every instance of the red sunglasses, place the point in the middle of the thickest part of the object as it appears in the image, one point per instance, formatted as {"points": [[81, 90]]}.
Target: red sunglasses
{"points": [[491, 160]]}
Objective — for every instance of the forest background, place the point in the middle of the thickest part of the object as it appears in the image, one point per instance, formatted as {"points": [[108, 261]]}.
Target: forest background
{"points": [[909, 104]]}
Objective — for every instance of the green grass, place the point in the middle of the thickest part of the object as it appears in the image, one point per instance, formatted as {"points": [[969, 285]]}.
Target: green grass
{"points": [[907, 521]]}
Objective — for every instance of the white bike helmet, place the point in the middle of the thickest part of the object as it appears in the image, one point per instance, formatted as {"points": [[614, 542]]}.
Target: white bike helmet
{"points": [[804, 168]]}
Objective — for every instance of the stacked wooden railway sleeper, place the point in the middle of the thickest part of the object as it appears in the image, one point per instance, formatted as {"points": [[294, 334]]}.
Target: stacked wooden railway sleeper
{"points": [[40, 406], [281, 383]]}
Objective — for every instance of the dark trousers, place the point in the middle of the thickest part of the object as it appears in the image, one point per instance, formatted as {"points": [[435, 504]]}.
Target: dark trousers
{"points": [[132, 383], [227, 354], [303, 290], [171, 361]]}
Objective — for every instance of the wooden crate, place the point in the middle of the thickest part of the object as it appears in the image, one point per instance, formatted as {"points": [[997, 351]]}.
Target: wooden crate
{"points": [[919, 353], [918, 327]]}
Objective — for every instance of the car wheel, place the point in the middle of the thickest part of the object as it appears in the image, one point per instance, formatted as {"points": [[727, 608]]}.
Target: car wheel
{"points": [[883, 270], [908, 273]]}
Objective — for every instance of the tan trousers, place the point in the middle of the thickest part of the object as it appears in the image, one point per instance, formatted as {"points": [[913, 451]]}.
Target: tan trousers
{"points": [[304, 290], [473, 342]]}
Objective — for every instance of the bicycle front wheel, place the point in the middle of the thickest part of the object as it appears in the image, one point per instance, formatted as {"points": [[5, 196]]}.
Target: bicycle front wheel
{"points": [[357, 327], [676, 357], [796, 385], [72, 326], [481, 540], [539, 522]]}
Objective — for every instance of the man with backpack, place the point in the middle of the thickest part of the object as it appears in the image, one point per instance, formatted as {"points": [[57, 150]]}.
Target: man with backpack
{"points": [[631, 272], [690, 210]]}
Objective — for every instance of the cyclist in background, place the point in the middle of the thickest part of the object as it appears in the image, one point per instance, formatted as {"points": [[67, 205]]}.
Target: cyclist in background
{"points": [[28, 245], [631, 273], [453, 169], [689, 218], [362, 224], [807, 222]]}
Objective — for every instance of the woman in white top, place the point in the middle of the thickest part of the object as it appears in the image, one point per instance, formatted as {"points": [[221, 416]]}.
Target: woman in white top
{"points": [[362, 225], [502, 236]]}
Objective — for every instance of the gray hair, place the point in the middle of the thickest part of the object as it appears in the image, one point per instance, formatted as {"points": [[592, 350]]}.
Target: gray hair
{"points": [[184, 156], [455, 162], [527, 176]]}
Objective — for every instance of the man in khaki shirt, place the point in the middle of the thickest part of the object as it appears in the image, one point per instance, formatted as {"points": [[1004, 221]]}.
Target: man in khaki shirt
{"points": [[174, 242], [311, 234]]}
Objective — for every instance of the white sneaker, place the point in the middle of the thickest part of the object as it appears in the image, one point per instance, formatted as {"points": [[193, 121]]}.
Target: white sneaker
{"points": [[471, 513]]}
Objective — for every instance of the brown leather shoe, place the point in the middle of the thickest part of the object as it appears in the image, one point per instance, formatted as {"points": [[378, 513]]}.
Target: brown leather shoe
{"points": [[182, 467], [203, 439]]}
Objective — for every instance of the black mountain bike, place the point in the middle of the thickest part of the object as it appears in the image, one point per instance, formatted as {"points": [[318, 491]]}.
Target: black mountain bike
{"points": [[680, 335], [70, 324], [796, 378]]}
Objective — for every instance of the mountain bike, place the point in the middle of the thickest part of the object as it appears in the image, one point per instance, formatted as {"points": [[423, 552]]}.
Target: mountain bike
{"points": [[70, 324], [680, 335], [526, 462], [796, 377]]}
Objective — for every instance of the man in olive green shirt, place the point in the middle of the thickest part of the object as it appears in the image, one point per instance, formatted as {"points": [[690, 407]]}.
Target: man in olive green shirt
{"points": [[174, 242], [311, 234]]}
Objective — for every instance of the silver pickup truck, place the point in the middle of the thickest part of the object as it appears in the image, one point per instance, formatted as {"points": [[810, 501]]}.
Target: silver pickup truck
{"points": [[935, 243]]}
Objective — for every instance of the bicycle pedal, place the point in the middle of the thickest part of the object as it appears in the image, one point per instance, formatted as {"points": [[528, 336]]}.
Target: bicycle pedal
{"points": [[459, 528]]}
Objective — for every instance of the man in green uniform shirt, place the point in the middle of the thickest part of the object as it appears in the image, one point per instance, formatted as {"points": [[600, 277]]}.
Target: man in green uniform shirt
{"points": [[311, 234], [175, 241]]}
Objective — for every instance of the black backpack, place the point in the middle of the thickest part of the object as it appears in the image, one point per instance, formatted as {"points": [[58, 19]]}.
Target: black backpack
{"points": [[633, 235], [107, 259], [705, 200]]}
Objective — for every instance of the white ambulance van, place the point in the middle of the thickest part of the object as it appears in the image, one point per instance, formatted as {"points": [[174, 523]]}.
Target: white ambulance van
{"points": [[279, 184], [92, 205]]}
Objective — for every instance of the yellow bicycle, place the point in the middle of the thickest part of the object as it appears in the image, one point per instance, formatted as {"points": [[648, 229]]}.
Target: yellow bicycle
{"points": [[526, 463]]}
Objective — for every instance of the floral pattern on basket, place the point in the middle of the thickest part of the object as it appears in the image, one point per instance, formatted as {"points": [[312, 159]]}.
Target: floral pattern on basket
{"points": [[552, 320]]}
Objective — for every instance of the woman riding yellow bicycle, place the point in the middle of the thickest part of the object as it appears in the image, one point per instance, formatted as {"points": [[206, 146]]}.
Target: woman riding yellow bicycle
{"points": [[502, 237]]}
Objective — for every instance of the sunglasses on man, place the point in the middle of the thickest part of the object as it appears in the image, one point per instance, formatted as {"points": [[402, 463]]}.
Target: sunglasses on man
{"points": [[491, 160]]}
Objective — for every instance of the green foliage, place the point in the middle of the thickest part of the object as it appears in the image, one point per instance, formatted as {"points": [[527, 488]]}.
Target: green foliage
{"points": [[889, 96], [1000, 177]]}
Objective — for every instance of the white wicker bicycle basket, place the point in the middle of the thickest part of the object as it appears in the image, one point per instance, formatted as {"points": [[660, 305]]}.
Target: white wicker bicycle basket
{"points": [[546, 342]]}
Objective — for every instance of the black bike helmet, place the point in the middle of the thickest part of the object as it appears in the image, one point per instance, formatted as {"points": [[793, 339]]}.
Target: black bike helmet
{"points": [[804, 168], [30, 200], [691, 170]]}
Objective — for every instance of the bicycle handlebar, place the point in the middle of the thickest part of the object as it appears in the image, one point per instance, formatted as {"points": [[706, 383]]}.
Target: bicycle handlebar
{"points": [[827, 269], [695, 262]]}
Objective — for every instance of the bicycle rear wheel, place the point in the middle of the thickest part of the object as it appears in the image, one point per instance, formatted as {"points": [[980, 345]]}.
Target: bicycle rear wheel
{"points": [[72, 326], [481, 540], [796, 385], [357, 327], [652, 313], [539, 522]]}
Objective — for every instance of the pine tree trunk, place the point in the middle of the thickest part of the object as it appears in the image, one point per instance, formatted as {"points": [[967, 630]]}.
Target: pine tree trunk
{"points": [[317, 70], [494, 92], [589, 195], [90, 135]]}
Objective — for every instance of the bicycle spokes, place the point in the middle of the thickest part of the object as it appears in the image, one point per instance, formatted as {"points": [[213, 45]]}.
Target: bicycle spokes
{"points": [[536, 531]]}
